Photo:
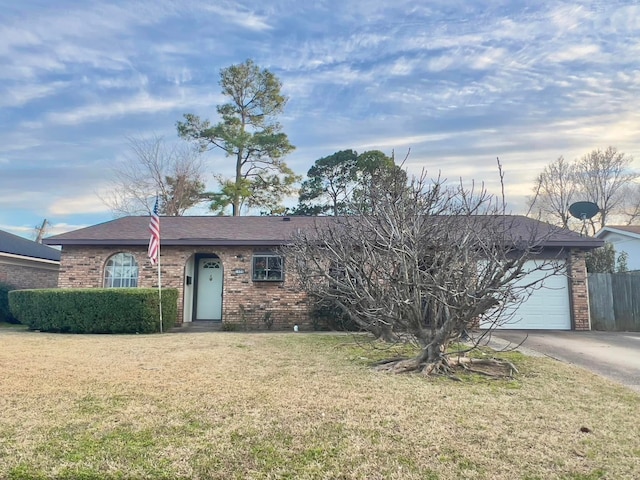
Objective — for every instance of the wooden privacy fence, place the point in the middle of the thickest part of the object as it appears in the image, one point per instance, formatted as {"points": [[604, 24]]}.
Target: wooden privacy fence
{"points": [[614, 300]]}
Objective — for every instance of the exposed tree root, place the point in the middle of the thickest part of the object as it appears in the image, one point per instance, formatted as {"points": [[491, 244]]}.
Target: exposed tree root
{"points": [[487, 366], [444, 366], [399, 365]]}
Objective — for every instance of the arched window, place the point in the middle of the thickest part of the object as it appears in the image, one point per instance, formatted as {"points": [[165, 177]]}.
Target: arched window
{"points": [[121, 271]]}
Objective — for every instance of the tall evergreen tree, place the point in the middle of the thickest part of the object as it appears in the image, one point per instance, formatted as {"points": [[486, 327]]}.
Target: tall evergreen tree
{"points": [[250, 134]]}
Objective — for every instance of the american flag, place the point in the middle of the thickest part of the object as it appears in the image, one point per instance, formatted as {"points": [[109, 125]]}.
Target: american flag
{"points": [[154, 241]]}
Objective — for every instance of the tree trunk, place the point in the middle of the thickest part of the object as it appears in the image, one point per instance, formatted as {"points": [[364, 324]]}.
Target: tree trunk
{"points": [[384, 332], [236, 193]]}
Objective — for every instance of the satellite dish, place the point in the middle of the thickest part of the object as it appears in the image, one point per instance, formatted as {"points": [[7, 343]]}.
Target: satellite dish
{"points": [[583, 210]]}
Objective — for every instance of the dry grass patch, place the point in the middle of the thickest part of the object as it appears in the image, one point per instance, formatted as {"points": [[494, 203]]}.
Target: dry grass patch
{"points": [[282, 405]]}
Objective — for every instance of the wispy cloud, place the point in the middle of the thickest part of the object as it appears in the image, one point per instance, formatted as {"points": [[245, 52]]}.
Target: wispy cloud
{"points": [[575, 52], [138, 104], [22, 94], [458, 84], [244, 18], [83, 204]]}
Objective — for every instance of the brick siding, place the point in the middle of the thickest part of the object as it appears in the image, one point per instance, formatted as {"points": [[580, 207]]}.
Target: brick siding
{"points": [[579, 291], [27, 274], [244, 302]]}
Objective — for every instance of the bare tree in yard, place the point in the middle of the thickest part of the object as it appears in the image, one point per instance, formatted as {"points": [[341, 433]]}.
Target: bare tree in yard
{"points": [[555, 190], [631, 204], [427, 262], [174, 173], [602, 177]]}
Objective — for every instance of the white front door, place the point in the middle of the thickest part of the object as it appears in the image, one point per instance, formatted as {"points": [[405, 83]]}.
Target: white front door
{"points": [[209, 289]]}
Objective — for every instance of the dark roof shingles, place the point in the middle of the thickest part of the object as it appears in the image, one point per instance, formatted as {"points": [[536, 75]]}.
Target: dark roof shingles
{"points": [[190, 229], [16, 245], [254, 230]]}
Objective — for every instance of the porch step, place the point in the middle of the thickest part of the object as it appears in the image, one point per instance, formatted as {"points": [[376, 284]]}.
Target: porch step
{"points": [[198, 326]]}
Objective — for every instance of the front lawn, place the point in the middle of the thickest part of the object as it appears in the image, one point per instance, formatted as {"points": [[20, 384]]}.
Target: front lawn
{"points": [[285, 405]]}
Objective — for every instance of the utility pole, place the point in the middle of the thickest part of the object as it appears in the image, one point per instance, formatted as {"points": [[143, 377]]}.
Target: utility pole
{"points": [[41, 231]]}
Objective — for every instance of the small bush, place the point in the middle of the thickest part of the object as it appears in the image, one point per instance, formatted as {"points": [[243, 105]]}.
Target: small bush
{"points": [[326, 315], [268, 320], [5, 312], [230, 327], [95, 310]]}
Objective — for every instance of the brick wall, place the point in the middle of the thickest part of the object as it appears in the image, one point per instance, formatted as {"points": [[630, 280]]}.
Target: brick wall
{"points": [[28, 274], [244, 302], [579, 291]]}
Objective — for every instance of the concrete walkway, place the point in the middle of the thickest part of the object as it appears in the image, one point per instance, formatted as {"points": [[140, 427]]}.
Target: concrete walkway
{"points": [[614, 355]]}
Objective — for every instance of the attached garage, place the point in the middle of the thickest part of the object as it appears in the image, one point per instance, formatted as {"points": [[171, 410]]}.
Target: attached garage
{"points": [[548, 307]]}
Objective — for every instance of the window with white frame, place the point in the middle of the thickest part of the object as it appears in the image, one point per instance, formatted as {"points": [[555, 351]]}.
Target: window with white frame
{"points": [[121, 271], [268, 267]]}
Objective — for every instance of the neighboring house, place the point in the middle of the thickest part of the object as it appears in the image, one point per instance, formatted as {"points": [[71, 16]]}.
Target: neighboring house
{"points": [[27, 264], [625, 238], [229, 269]]}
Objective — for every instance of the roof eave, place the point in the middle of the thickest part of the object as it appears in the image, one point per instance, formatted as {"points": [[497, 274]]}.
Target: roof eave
{"points": [[587, 244], [29, 258], [170, 242], [626, 233]]}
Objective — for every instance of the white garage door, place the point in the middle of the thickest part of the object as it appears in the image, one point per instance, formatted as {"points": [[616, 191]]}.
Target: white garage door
{"points": [[547, 308]]}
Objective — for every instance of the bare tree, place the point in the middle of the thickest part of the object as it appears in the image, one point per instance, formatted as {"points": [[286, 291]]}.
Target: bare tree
{"points": [[631, 204], [426, 263], [555, 190], [603, 177], [173, 172]]}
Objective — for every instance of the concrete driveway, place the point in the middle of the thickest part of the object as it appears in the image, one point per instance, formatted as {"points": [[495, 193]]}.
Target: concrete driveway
{"points": [[615, 355]]}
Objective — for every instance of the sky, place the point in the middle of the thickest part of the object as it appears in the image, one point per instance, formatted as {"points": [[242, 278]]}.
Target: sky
{"points": [[457, 83]]}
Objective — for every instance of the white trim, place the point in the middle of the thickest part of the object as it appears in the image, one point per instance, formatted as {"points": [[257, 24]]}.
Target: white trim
{"points": [[21, 260], [606, 230]]}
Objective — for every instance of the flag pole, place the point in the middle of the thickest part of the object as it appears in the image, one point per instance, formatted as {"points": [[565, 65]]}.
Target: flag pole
{"points": [[154, 251], [159, 287]]}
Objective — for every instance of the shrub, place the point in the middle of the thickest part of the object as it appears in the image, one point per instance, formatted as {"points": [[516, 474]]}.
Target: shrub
{"points": [[230, 327], [94, 310], [327, 315], [5, 312], [604, 260]]}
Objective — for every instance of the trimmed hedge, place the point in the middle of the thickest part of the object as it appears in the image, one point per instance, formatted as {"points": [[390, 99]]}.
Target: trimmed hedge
{"points": [[5, 312], [94, 310]]}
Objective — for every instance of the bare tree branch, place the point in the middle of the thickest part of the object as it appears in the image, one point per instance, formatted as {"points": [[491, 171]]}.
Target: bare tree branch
{"points": [[173, 172], [601, 177], [555, 190], [427, 262]]}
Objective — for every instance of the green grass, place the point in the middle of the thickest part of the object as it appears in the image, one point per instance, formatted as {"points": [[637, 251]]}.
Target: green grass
{"points": [[12, 326], [294, 406]]}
